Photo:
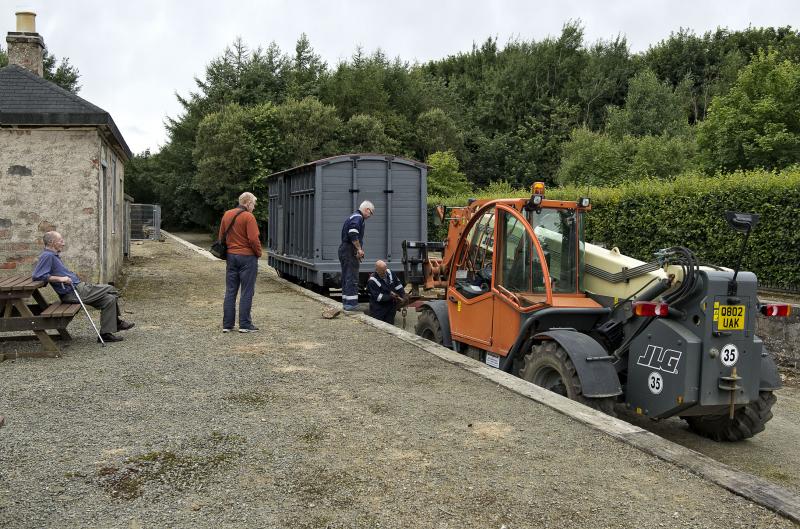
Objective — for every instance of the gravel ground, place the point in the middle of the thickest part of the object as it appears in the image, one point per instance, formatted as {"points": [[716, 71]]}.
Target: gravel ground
{"points": [[309, 423]]}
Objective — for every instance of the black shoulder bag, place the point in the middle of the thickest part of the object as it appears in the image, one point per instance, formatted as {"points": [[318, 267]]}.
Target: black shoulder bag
{"points": [[220, 247]]}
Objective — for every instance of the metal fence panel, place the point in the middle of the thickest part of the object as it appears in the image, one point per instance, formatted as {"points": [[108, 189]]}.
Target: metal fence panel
{"points": [[145, 222]]}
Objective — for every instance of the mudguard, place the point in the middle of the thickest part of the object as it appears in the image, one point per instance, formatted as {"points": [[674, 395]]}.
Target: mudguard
{"points": [[593, 364], [439, 308], [770, 378]]}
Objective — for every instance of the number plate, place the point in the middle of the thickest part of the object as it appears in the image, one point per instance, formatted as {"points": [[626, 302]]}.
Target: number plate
{"points": [[730, 317]]}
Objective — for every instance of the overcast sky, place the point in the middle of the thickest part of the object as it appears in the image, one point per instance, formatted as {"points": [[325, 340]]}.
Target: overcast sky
{"points": [[134, 56]]}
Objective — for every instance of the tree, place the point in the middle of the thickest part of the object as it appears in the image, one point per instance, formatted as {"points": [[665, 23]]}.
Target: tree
{"points": [[591, 158], [710, 63], [757, 123], [599, 159], [306, 70], [140, 178], [651, 108], [63, 74], [235, 149], [358, 86], [444, 178], [225, 155], [309, 131], [365, 133], [604, 80], [243, 77], [436, 131]]}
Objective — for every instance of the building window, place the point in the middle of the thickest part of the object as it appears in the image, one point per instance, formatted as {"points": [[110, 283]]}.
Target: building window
{"points": [[113, 193]]}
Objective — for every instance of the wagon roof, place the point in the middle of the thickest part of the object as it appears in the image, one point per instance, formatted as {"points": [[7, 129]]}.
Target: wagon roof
{"points": [[356, 156]]}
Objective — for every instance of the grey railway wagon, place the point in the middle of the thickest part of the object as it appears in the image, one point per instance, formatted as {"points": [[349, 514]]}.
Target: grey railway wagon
{"points": [[308, 205]]}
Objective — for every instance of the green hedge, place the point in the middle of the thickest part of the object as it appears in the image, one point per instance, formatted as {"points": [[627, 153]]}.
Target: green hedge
{"points": [[644, 216]]}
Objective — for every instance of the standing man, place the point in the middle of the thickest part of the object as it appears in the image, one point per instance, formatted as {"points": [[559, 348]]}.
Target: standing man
{"points": [[244, 249], [351, 252], [49, 268], [385, 293]]}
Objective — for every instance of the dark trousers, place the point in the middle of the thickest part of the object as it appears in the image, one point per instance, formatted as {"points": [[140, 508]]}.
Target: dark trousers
{"points": [[103, 297], [350, 264], [383, 311], [240, 273]]}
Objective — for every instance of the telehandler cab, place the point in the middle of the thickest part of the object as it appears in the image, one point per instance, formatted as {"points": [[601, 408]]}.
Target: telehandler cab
{"points": [[520, 290]]}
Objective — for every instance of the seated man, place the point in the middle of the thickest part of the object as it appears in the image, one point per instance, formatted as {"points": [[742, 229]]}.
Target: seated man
{"points": [[49, 268], [385, 292]]}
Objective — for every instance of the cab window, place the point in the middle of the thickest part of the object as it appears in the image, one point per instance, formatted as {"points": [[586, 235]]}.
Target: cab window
{"points": [[520, 267], [558, 236], [474, 270]]}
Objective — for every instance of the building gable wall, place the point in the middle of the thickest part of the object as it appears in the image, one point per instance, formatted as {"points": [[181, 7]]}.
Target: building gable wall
{"points": [[50, 179]]}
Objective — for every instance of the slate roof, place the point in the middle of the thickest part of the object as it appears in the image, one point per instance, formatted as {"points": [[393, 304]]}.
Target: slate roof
{"points": [[27, 99]]}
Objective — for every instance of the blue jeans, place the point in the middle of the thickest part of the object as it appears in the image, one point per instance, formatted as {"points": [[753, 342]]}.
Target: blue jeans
{"points": [[240, 272]]}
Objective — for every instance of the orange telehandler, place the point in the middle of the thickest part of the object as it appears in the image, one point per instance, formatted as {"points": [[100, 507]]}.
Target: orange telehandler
{"points": [[519, 289]]}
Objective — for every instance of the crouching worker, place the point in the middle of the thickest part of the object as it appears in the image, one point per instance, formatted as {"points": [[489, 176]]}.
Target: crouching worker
{"points": [[49, 268], [386, 293]]}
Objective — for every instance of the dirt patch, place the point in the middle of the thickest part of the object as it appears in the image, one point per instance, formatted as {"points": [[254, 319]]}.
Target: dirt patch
{"points": [[188, 467], [491, 431]]}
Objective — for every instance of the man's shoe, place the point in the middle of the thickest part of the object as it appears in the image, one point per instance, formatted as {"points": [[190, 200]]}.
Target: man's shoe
{"points": [[226, 329], [108, 337], [350, 308], [123, 325], [252, 328]]}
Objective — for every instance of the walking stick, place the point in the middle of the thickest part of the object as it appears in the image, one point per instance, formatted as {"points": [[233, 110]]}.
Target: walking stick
{"points": [[87, 315]]}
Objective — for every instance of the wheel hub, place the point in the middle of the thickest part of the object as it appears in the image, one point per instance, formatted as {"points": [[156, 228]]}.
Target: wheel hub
{"points": [[551, 380]]}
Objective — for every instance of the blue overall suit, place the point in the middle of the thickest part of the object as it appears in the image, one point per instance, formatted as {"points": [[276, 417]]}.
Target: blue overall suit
{"points": [[352, 230], [382, 306]]}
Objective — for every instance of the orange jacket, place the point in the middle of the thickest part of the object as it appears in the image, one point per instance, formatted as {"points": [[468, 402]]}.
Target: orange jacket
{"points": [[243, 238]]}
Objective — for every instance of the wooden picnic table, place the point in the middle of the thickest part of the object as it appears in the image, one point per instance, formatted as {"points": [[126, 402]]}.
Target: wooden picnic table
{"points": [[16, 316]]}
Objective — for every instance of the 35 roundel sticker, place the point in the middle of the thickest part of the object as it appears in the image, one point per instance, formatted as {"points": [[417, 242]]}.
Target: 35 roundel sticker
{"points": [[655, 382], [729, 355]]}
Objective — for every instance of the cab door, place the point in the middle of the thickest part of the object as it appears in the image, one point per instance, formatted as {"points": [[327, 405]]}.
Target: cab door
{"points": [[469, 293], [519, 279]]}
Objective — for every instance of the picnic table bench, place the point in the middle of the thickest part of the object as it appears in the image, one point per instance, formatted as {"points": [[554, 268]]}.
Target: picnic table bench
{"points": [[16, 316]]}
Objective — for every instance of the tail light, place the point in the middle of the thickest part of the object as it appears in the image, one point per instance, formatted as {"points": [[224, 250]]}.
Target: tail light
{"points": [[651, 309], [776, 309]]}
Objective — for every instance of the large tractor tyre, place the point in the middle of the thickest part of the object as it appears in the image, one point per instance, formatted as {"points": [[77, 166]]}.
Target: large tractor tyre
{"points": [[548, 365], [428, 327], [747, 421]]}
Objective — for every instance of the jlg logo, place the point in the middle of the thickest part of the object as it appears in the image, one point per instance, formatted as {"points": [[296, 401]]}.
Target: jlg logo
{"points": [[665, 360]]}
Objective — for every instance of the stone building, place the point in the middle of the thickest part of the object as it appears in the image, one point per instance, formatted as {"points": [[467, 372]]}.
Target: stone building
{"points": [[62, 167]]}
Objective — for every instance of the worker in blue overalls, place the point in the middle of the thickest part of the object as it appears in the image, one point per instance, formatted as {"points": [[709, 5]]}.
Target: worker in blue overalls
{"points": [[386, 293], [351, 252]]}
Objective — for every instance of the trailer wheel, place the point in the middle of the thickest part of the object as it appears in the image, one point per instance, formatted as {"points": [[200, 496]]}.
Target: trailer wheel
{"points": [[747, 421], [428, 327], [548, 365]]}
